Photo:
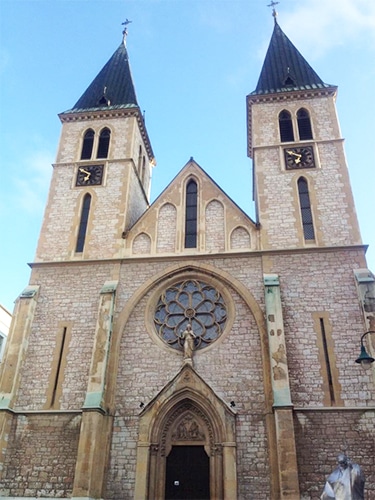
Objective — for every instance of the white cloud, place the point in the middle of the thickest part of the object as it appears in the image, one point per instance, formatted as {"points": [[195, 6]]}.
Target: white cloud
{"points": [[318, 25]]}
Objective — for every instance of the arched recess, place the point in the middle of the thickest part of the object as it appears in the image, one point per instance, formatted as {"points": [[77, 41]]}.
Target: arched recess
{"points": [[186, 413], [168, 274], [215, 226], [141, 244], [166, 228], [240, 239]]}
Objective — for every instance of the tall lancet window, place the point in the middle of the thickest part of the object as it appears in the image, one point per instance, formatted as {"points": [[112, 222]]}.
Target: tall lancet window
{"points": [[191, 215], [103, 145], [87, 145], [286, 126], [83, 223], [306, 213], [304, 124]]}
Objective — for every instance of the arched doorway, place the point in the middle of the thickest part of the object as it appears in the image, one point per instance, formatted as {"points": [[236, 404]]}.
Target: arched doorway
{"points": [[186, 446], [187, 473]]}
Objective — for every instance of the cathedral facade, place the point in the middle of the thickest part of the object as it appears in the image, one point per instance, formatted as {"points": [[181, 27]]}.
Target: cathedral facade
{"points": [[182, 350]]}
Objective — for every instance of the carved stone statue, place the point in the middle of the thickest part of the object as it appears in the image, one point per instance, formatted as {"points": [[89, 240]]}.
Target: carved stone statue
{"points": [[188, 337], [346, 482]]}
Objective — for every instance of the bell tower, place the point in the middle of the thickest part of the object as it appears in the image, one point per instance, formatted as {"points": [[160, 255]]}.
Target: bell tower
{"points": [[301, 185], [101, 179]]}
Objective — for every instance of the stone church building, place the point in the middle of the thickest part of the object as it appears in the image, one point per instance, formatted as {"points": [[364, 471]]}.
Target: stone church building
{"points": [[182, 350]]}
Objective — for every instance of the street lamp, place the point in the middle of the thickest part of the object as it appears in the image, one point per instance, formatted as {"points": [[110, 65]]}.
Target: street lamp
{"points": [[364, 358]]}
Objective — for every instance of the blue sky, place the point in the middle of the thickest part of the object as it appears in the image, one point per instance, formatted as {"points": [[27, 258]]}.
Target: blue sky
{"points": [[193, 63]]}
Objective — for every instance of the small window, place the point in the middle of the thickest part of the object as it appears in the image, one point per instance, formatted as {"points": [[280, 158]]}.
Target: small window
{"points": [[103, 146], [88, 142], [191, 215], [304, 124], [143, 169], [306, 213], [140, 161], [83, 223], [286, 126]]}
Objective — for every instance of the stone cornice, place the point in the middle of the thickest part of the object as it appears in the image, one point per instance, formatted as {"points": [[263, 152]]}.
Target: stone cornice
{"points": [[199, 256], [103, 114]]}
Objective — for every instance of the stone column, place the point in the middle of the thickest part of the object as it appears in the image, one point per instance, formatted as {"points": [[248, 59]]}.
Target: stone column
{"points": [[15, 352], [96, 426], [282, 404], [230, 471]]}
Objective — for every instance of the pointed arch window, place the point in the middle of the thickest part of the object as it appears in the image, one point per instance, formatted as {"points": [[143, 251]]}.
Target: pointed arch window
{"points": [[83, 223], [87, 145], [304, 124], [191, 215], [306, 213], [286, 126], [103, 145]]}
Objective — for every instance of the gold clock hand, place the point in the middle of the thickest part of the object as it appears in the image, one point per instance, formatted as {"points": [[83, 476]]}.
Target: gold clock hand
{"points": [[298, 156], [294, 154], [88, 174]]}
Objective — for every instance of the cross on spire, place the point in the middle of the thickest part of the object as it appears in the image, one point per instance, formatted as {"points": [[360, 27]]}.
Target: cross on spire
{"points": [[125, 31], [274, 11]]}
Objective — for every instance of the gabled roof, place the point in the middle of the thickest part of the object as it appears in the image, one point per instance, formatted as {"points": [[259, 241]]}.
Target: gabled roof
{"points": [[113, 87], [192, 167], [285, 69]]}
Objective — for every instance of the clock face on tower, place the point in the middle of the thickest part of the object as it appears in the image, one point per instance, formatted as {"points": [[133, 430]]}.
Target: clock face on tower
{"points": [[301, 157], [90, 175]]}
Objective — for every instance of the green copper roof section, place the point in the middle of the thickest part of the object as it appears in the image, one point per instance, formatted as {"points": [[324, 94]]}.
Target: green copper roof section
{"points": [[285, 69], [112, 88]]}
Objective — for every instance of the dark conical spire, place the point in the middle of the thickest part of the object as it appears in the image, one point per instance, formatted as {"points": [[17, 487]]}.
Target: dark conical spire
{"points": [[113, 86], [285, 69]]}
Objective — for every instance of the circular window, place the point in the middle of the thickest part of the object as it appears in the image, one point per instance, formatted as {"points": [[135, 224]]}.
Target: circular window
{"points": [[190, 302]]}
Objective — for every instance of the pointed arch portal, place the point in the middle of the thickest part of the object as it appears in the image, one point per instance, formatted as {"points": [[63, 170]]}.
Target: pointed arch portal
{"points": [[186, 444]]}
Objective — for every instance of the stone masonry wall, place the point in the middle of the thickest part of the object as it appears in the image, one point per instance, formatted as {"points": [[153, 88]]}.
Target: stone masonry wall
{"points": [[331, 199], [232, 367], [69, 295], [41, 456], [310, 282], [322, 435], [322, 283]]}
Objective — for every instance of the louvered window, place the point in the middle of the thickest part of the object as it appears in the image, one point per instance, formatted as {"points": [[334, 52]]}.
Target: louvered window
{"points": [[191, 215], [286, 126], [304, 124], [88, 142], [306, 213], [103, 145], [83, 223]]}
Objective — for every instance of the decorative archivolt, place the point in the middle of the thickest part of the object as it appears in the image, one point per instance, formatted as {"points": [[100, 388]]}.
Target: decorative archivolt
{"points": [[186, 424]]}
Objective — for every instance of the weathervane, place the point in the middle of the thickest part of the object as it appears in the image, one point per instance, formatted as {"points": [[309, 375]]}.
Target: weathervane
{"points": [[274, 12], [125, 31]]}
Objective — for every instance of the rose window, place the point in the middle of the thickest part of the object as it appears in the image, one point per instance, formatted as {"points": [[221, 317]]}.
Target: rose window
{"points": [[193, 302]]}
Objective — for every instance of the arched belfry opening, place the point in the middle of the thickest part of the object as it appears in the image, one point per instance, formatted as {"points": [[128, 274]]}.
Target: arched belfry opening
{"points": [[187, 443]]}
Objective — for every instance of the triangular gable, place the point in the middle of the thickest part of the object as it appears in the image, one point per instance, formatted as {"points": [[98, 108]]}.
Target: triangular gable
{"points": [[221, 225], [187, 384]]}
